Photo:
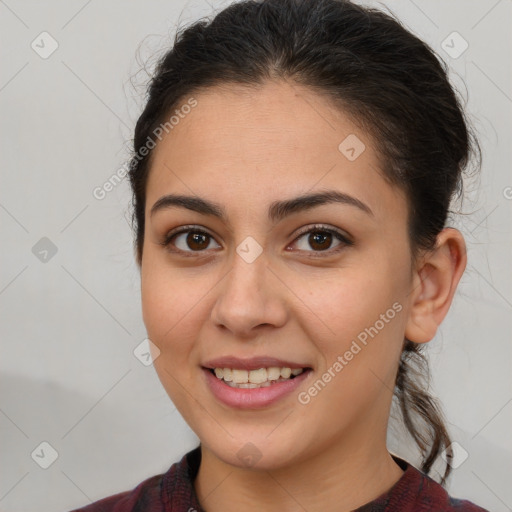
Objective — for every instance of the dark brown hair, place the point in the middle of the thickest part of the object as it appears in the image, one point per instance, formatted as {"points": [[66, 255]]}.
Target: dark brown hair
{"points": [[370, 66]]}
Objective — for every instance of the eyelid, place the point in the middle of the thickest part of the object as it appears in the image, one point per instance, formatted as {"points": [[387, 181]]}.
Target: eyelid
{"points": [[187, 227], [324, 227]]}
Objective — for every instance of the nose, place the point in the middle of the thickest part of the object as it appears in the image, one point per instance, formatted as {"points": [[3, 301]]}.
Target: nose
{"points": [[250, 298]]}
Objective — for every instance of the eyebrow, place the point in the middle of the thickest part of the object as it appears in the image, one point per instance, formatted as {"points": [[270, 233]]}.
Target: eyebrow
{"points": [[277, 210]]}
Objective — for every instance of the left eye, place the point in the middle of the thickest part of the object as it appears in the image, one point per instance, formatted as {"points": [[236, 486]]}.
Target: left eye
{"points": [[321, 239]]}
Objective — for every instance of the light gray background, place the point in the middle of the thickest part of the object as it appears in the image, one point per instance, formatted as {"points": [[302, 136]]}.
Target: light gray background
{"points": [[69, 325]]}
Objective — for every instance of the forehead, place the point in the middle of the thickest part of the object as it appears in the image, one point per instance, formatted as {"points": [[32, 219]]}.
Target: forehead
{"points": [[242, 145]]}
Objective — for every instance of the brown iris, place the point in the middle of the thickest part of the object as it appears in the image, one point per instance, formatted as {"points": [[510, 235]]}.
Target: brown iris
{"points": [[317, 240], [197, 241]]}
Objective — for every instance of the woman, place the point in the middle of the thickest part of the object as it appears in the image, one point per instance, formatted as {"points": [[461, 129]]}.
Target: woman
{"points": [[292, 173]]}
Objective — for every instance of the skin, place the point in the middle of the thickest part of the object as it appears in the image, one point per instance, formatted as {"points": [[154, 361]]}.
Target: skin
{"points": [[245, 149]]}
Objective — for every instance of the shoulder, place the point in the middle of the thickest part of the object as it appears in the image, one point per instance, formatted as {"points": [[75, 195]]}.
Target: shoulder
{"points": [[433, 496], [172, 490], [146, 497], [417, 492]]}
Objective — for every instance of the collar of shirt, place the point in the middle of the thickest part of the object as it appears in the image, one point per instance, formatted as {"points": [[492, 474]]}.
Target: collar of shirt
{"points": [[414, 491]]}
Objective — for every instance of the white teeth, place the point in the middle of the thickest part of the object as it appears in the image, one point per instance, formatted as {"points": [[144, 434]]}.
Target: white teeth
{"points": [[248, 385], [286, 372], [274, 373], [240, 376], [262, 377], [258, 376]]}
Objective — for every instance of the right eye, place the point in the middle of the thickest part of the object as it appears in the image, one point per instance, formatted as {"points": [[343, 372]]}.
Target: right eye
{"points": [[188, 240]]}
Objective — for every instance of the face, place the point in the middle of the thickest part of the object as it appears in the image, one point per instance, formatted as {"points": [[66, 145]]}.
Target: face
{"points": [[262, 281]]}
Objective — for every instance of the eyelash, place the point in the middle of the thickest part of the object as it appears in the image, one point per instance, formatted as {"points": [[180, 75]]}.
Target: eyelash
{"points": [[319, 228]]}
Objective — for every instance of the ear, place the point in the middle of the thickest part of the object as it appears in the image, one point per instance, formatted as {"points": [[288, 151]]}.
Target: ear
{"points": [[434, 283]]}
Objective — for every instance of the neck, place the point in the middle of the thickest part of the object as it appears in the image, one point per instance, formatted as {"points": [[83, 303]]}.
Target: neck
{"points": [[344, 476]]}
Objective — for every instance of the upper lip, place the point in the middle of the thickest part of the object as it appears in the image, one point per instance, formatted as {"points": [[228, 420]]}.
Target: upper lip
{"points": [[251, 363]]}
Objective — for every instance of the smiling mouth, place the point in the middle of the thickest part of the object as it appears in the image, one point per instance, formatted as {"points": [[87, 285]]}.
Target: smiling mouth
{"points": [[260, 378]]}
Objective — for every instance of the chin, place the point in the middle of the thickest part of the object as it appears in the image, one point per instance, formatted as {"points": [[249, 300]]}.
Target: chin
{"points": [[255, 451]]}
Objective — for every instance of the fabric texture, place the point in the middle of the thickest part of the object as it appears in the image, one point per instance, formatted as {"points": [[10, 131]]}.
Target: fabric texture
{"points": [[174, 491]]}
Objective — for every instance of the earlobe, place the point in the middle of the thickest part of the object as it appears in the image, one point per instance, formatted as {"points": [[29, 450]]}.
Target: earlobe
{"points": [[434, 285]]}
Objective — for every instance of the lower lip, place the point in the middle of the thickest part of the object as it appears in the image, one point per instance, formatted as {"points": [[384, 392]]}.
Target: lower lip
{"points": [[255, 398]]}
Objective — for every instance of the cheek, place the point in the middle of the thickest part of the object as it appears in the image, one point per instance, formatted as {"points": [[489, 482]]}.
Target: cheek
{"points": [[170, 309], [359, 350], [171, 303], [359, 310], [346, 301]]}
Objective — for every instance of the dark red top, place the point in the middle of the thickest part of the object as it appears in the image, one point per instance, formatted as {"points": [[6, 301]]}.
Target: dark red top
{"points": [[174, 491]]}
